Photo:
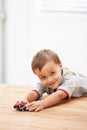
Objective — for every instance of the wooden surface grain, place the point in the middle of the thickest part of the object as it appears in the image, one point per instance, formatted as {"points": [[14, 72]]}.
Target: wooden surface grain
{"points": [[71, 115]]}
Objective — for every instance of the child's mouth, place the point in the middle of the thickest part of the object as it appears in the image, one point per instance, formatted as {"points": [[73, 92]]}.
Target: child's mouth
{"points": [[53, 85]]}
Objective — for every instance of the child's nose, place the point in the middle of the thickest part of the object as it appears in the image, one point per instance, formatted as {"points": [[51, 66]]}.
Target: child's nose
{"points": [[50, 79]]}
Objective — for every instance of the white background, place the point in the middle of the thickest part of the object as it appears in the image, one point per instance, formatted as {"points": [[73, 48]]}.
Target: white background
{"points": [[27, 30]]}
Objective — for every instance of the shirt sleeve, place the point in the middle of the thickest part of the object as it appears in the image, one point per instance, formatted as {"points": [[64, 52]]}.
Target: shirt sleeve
{"points": [[39, 89], [68, 87]]}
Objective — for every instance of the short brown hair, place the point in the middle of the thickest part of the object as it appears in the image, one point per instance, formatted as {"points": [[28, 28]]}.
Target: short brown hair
{"points": [[43, 56]]}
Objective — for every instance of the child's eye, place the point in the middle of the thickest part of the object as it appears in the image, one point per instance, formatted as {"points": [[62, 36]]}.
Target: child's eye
{"points": [[52, 73], [43, 78]]}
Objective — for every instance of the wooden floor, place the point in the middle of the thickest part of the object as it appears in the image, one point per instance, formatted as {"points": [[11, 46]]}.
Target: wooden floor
{"points": [[66, 116]]}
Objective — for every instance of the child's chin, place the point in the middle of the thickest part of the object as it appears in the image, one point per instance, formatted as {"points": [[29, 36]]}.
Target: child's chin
{"points": [[55, 86]]}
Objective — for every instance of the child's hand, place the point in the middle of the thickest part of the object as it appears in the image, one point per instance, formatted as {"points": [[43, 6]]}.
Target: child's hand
{"points": [[34, 106]]}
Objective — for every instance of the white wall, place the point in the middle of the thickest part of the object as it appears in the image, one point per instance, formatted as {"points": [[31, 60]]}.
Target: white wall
{"points": [[28, 32]]}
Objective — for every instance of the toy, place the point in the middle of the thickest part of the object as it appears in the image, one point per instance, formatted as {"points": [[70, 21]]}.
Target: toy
{"points": [[20, 106]]}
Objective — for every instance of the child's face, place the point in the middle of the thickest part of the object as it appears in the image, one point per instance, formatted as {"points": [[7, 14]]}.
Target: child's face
{"points": [[50, 74]]}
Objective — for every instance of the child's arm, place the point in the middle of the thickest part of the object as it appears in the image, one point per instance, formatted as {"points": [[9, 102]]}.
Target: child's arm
{"points": [[50, 100], [21, 104], [32, 96]]}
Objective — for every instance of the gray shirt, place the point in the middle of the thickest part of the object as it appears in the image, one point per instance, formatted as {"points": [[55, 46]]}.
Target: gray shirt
{"points": [[73, 84]]}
